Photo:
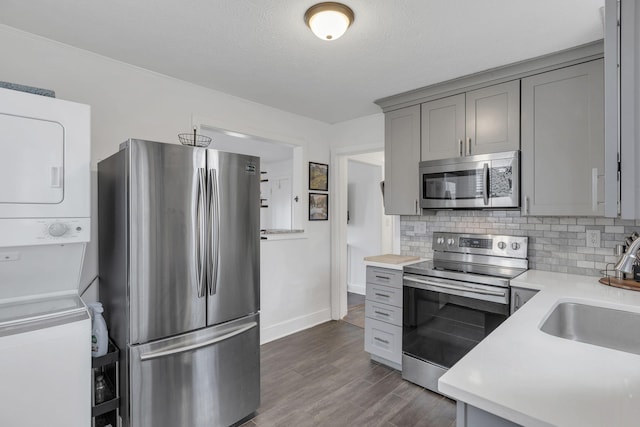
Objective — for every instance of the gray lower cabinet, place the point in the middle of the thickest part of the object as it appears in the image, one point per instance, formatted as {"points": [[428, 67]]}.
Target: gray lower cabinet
{"points": [[563, 141], [519, 296], [481, 121], [383, 316], [402, 155], [470, 416]]}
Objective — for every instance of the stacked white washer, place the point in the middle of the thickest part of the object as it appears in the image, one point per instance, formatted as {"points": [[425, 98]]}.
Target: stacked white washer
{"points": [[45, 329]]}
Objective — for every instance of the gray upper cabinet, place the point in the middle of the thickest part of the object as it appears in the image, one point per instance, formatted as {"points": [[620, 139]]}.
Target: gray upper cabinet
{"points": [[443, 128], [482, 121], [493, 119], [563, 141], [402, 154]]}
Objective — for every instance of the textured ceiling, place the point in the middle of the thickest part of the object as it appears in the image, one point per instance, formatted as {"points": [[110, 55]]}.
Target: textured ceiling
{"points": [[261, 50]]}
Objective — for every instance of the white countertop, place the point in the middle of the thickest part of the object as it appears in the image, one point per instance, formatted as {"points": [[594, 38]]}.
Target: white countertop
{"points": [[399, 266], [532, 378]]}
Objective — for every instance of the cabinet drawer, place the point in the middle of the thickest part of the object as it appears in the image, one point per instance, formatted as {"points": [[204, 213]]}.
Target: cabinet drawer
{"points": [[384, 294], [384, 312], [384, 276], [383, 340]]}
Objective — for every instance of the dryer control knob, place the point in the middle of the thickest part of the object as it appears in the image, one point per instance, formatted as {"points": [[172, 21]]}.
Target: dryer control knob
{"points": [[58, 229], [502, 245]]}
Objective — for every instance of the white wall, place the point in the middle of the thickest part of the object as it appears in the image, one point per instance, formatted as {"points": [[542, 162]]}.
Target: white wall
{"points": [[364, 230], [129, 102]]}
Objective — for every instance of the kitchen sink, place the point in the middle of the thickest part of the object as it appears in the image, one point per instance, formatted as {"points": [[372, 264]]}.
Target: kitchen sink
{"points": [[601, 326]]}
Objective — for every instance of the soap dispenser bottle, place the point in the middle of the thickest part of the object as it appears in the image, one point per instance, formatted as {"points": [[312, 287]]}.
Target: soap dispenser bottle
{"points": [[99, 334]]}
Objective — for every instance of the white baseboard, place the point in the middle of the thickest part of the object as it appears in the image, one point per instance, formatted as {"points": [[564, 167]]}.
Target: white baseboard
{"points": [[297, 324], [356, 289]]}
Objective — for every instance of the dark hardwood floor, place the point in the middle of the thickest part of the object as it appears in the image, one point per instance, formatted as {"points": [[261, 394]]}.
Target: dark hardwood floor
{"points": [[355, 309], [323, 377]]}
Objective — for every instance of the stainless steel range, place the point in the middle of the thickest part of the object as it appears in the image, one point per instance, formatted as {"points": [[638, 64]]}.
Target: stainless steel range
{"points": [[452, 302]]}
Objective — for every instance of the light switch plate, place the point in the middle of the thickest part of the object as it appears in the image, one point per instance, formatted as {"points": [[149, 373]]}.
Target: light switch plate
{"points": [[593, 238]]}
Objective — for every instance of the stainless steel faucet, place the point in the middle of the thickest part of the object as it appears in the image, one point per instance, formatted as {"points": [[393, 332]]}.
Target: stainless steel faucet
{"points": [[629, 258]]}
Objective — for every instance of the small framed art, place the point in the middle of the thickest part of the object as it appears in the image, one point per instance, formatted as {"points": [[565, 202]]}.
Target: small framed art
{"points": [[318, 176], [318, 207]]}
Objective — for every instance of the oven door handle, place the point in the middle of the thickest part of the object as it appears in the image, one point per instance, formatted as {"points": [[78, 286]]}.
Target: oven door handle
{"points": [[437, 286]]}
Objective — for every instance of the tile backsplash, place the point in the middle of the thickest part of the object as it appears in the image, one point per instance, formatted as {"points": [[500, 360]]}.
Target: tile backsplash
{"points": [[555, 243]]}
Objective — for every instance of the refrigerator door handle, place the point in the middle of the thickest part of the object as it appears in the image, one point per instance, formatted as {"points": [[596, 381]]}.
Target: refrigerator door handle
{"points": [[195, 346], [201, 232], [214, 218]]}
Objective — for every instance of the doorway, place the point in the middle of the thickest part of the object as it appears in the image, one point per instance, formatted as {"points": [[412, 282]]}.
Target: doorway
{"points": [[360, 226]]}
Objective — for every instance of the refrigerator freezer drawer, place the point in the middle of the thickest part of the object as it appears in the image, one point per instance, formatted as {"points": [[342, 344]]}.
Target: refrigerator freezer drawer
{"points": [[210, 377]]}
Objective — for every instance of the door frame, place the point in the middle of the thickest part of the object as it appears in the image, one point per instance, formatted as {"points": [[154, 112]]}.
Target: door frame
{"points": [[338, 208]]}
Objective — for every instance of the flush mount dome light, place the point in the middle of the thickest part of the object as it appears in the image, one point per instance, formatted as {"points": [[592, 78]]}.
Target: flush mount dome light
{"points": [[329, 20]]}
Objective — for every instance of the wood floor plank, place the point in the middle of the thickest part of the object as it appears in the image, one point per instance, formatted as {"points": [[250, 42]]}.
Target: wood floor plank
{"points": [[376, 392], [415, 413], [379, 413], [323, 377], [443, 415]]}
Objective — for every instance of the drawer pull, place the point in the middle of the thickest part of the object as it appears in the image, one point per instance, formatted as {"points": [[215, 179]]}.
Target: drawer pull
{"points": [[381, 340], [383, 277], [381, 313], [382, 295]]}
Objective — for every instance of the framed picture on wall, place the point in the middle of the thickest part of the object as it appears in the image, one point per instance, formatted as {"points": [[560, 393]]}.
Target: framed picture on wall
{"points": [[318, 176], [318, 207]]}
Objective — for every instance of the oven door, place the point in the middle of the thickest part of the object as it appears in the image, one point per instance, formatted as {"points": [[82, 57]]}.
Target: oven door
{"points": [[459, 185], [482, 181], [444, 319]]}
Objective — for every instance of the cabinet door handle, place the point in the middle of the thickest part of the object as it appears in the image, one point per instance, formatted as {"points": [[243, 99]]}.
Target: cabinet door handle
{"points": [[594, 189], [517, 300], [416, 205], [382, 295], [382, 277], [460, 143], [468, 146], [526, 205], [381, 313], [381, 340]]}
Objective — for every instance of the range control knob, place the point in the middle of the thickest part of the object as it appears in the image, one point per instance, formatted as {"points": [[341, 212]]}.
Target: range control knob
{"points": [[502, 245], [515, 246], [450, 242], [440, 240], [58, 229]]}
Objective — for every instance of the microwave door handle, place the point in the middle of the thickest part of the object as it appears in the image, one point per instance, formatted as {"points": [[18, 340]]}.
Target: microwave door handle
{"points": [[485, 184], [443, 287]]}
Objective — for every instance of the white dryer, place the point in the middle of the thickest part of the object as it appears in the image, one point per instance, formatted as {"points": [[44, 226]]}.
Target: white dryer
{"points": [[45, 329]]}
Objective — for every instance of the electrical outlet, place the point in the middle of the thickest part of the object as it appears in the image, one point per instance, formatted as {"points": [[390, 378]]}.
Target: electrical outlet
{"points": [[593, 238]]}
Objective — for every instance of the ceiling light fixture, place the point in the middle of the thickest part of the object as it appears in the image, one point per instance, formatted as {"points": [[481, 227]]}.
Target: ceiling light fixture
{"points": [[329, 20]]}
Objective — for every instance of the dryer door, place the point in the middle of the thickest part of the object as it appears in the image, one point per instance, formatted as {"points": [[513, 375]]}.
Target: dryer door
{"points": [[32, 167]]}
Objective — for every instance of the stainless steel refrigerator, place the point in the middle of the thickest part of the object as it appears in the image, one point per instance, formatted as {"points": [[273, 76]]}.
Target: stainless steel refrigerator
{"points": [[179, 236]]}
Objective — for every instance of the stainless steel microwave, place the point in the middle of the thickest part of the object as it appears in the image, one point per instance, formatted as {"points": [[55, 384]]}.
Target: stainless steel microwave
{"points": [[490, 181]]}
